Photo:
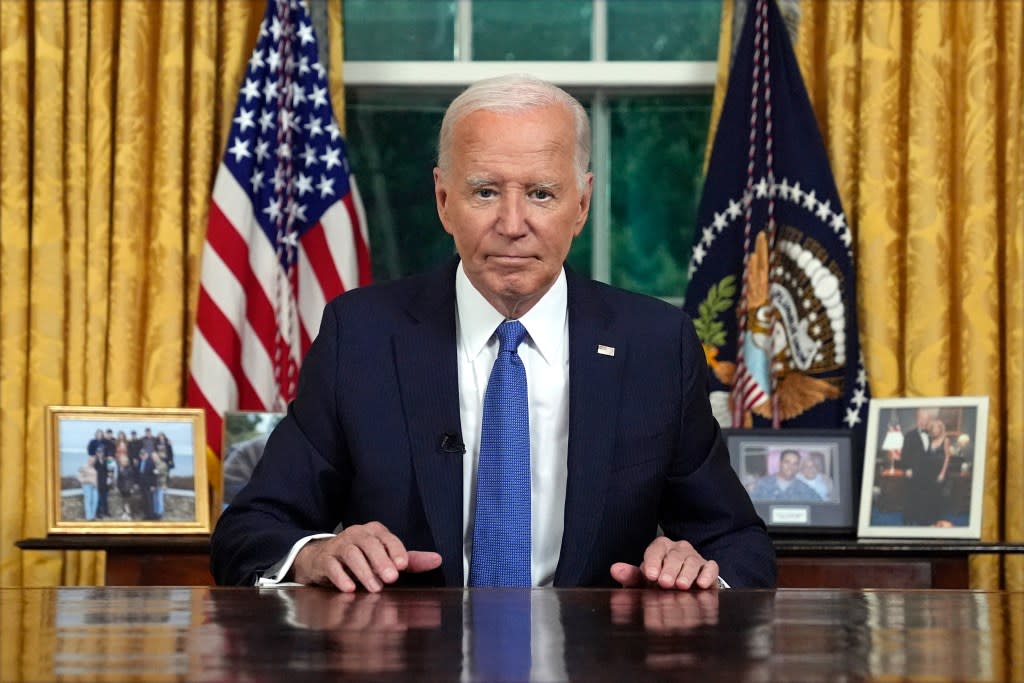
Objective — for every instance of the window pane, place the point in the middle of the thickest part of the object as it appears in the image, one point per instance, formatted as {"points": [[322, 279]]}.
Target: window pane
{"points": [[392, 138], [660, 30], [399, 29], [657, 156], [531, 29]]}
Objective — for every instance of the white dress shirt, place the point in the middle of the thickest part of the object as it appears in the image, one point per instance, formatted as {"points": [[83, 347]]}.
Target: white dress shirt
{"points": [[545, 356]]}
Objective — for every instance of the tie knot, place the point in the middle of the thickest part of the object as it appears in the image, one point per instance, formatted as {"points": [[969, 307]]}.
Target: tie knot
{"points": [[510, 335]]}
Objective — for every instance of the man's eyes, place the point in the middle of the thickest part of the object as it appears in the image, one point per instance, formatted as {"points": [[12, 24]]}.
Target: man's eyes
{"points": [[541, 194]]}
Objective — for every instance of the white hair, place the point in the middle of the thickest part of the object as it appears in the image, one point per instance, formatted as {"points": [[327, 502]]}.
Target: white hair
{"points": [[512, 94]]}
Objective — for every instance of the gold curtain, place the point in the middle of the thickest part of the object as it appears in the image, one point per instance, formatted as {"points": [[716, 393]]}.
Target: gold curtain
{"points": [[921, 108], [112, 120]]}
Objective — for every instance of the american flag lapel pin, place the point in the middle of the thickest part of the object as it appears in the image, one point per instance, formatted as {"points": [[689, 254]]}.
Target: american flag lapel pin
{"points": [[605, 350]]}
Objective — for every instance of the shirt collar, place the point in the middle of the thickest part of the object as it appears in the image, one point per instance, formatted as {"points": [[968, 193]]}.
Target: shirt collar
{"points": [[545, 322]]}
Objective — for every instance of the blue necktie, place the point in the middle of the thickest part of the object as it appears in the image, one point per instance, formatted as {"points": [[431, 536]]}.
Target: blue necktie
{"points": [[501, 528]]}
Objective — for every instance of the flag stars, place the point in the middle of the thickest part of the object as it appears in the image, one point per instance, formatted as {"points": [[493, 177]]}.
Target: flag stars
{"points": [[245, 119], [761, 188], [720, 222], [314, 127], [810, 201], [250, 90], [273, 60], [708, 235], [270, 90], [326, 186], [796, 192], [332, 128], [279, 180], [859, 397], [256, 180], [734, 210], [303, 66], [273, 209], [276, 29], [266, 121], [824, 210], [320, 70], [698, 254], [331, 157], [240, 149], [838, 222], [256, 61], [852, 417], [318, 97], [304, 184], [309, 156], [784, 189], [262, 150], [306, 34], [297, 211], [298, 94]]}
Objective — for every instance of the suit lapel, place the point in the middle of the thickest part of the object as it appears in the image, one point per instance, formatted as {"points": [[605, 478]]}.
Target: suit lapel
{"points": [[594, 381], [427, 368]]}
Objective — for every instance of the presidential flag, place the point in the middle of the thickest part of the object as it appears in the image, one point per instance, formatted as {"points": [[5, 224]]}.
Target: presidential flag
{"points": [[286, 231], [772, 280]]}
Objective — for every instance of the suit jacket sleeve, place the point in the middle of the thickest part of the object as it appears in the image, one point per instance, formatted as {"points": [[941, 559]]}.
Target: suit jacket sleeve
{"points": [[704, 501], [286, 496]]}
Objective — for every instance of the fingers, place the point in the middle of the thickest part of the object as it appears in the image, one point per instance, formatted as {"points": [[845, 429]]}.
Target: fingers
{"points": [[366, 555], [628, 575], [677, 565], [420, 561]]}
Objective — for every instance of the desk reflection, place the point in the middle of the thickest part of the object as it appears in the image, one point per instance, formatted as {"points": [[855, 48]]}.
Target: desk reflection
{"points": [[311, 634]]}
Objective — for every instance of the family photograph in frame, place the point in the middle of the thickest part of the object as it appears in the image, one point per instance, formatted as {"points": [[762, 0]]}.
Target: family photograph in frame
{"points": [[245, 437], [924, 468], [800, 480], [126, 470]]}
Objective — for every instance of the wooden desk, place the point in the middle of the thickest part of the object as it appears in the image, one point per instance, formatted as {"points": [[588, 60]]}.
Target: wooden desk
{"points": [[310, 634], [141, 560], [828, 563], [838, 563]]}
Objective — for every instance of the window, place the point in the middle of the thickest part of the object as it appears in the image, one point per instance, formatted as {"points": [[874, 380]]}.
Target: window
{"points": [[644, 69]]}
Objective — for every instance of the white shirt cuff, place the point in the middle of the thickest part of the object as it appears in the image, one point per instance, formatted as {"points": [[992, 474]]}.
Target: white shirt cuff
{"points": [[273, 576]]}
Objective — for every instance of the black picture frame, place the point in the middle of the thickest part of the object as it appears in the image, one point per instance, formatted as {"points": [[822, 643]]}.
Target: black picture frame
{"points": [[808, 505]]}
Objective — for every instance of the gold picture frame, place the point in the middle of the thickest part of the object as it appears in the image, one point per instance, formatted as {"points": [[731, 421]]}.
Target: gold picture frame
{"points": [[152, 478]]}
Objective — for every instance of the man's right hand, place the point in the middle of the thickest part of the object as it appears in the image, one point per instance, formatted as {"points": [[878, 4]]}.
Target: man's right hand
{"points": [[365, 554]]}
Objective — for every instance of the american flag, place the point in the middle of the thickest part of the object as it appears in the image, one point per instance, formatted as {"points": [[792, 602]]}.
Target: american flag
{"points": [[286, 231]]}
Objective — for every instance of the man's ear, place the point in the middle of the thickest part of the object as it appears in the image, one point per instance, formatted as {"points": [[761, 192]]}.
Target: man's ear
{"points": [[584, 208], [441, 198]]}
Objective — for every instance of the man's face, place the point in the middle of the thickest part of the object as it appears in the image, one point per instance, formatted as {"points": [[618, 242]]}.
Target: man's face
{"points": [[924, 418], [808, 468], [511, 202], [788, 466]]}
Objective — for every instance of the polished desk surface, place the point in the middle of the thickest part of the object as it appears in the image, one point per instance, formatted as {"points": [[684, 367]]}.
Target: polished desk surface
{"points": [[308, 634]]}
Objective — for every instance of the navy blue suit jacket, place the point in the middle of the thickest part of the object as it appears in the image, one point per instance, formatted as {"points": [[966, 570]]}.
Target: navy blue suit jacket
{"points": [[364, 440]]}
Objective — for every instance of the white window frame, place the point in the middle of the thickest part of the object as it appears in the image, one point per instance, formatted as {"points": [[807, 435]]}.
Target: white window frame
{"points": [[597, 77]]}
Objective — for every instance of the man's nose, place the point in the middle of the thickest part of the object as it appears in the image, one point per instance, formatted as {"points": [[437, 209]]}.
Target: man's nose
{"points": [[512, 215]]}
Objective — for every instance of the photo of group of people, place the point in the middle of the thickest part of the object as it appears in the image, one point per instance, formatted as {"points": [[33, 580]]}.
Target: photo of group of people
{"points": [[126, 471], [795, 473]]}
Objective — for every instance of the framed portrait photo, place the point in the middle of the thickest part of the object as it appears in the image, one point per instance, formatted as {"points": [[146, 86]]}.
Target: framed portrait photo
{"points": [[126, 471], [924, 468], [800, 480], [245, 437]]}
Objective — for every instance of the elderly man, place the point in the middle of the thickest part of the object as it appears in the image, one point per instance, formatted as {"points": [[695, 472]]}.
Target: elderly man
{"points": [[501, 421]]}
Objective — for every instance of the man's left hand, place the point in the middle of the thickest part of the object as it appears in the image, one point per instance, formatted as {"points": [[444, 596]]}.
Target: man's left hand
{"points": [[668, 564]]}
